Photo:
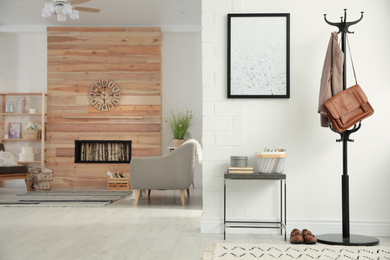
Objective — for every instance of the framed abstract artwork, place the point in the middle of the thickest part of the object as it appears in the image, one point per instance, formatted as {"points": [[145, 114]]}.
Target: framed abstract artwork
{"points": [[14, 130], [258, 55]]}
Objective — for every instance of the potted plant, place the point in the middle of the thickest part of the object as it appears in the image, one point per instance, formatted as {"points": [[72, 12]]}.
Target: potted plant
{"points": [[179, 123]]}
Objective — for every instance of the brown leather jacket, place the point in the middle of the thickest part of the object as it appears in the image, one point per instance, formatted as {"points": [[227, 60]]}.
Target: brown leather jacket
{"points": [[331, 82]]}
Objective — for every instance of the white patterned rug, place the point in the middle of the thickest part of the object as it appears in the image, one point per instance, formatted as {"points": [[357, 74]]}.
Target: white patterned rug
{"points": [[227, 251]]}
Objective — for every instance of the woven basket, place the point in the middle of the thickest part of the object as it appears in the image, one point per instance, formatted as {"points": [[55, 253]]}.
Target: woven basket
{"points": [[40, 181], [30, 134]]}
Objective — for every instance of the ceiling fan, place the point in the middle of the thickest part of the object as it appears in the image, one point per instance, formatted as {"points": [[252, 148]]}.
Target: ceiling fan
{"points": [[65, 7]]}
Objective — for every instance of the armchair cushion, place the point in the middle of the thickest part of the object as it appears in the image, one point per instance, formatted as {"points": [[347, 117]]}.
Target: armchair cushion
{"points": [[7, 159], [8, 163]]}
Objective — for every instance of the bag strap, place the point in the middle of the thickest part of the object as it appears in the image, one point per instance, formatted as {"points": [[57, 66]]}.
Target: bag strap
{"points": [[363, 105], [350, 55], [357, 96]]}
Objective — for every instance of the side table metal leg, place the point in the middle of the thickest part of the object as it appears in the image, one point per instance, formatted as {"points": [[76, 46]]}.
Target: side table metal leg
{"points": [[281, 207], [285, 210], [224, 209]]}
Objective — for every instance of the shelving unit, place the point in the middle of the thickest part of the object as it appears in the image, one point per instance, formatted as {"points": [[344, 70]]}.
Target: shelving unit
{"points": [[42, 115]]}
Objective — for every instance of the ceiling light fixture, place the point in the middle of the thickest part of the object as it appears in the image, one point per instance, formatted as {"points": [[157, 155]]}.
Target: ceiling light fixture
{"points": [[61, 8]]}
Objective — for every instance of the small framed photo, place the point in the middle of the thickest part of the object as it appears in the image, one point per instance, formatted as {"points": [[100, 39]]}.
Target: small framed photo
{"points": [[14, 130]]}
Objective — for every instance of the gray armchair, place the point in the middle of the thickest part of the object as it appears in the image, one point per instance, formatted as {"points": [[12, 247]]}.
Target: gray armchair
{"points": [[171, 172]]}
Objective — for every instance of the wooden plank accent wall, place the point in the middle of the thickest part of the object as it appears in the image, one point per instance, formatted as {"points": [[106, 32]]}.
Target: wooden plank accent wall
{"points": [[77, 57]]}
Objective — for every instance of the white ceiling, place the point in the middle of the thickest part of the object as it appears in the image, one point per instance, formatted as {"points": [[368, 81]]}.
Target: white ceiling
{"points": [[183, 14]]}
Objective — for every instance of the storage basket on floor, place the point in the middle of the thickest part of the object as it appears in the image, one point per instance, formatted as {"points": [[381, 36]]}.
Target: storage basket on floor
{"points": [[118, 183], [40, 181], [271, 162]]}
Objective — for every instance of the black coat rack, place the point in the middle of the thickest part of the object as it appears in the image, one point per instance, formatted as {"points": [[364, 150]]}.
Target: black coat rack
{"points": [[346, 238]]}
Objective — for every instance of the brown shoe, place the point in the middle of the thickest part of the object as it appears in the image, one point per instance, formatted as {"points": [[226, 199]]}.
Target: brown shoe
{"points": [[309, 237], [296, 237]]}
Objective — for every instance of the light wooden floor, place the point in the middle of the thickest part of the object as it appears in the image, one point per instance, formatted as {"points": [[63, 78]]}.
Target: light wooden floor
{"points": [[159, 228]]}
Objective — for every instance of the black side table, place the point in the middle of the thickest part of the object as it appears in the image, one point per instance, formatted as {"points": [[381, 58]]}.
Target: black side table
{"points": [[281, 224]]}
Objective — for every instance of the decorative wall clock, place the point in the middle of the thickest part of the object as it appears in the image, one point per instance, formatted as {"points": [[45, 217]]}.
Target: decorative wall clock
{"points": [[104, 95]]}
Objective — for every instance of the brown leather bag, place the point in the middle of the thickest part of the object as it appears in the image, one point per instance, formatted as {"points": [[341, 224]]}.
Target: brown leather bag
{"points": [[348, 107]]}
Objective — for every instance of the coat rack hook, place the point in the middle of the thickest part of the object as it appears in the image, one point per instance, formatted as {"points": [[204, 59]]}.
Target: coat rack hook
{"points": [[344, 136], [345, 16], [331, 23], [343, 25], [352, 23]]}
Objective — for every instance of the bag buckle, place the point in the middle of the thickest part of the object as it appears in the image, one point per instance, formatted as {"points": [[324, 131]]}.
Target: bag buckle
{"points": [[364, 107]]}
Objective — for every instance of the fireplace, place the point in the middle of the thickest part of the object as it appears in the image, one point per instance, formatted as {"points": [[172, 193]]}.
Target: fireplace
{"points": [[98, 151]]}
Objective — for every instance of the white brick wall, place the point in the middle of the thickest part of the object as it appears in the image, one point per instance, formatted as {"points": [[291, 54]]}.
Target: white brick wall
{"points": [[223, 131], [244, 127], [233, 108], [229, 138]]}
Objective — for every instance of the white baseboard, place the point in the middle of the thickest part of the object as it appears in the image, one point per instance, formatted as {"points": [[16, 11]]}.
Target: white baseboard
{"points": [[367, 228], [211, 225]]}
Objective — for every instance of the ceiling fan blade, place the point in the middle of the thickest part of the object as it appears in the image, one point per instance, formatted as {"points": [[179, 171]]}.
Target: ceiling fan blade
{"points": [[86, 9], [76, 2]]}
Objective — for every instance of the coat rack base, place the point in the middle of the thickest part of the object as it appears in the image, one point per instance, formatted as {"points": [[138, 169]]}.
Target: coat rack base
{"points": [[353, 240]]}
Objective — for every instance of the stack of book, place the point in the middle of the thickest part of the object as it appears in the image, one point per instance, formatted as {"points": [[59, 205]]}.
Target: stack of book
{"points": [[240, 169]]}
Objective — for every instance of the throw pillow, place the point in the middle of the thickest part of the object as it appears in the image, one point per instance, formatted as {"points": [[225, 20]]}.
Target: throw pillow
{"points": [[7, 159]]}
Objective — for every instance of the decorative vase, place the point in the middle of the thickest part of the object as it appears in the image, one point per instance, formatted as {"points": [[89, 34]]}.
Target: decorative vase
{"points": [[177, 142], [9, 107]]}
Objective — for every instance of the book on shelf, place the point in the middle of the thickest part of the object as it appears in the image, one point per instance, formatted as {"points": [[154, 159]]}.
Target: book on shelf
{"points": [[240, 170]]}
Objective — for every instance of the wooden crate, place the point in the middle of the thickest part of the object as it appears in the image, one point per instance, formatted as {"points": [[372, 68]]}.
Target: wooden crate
{"points": [[118, 183]]}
